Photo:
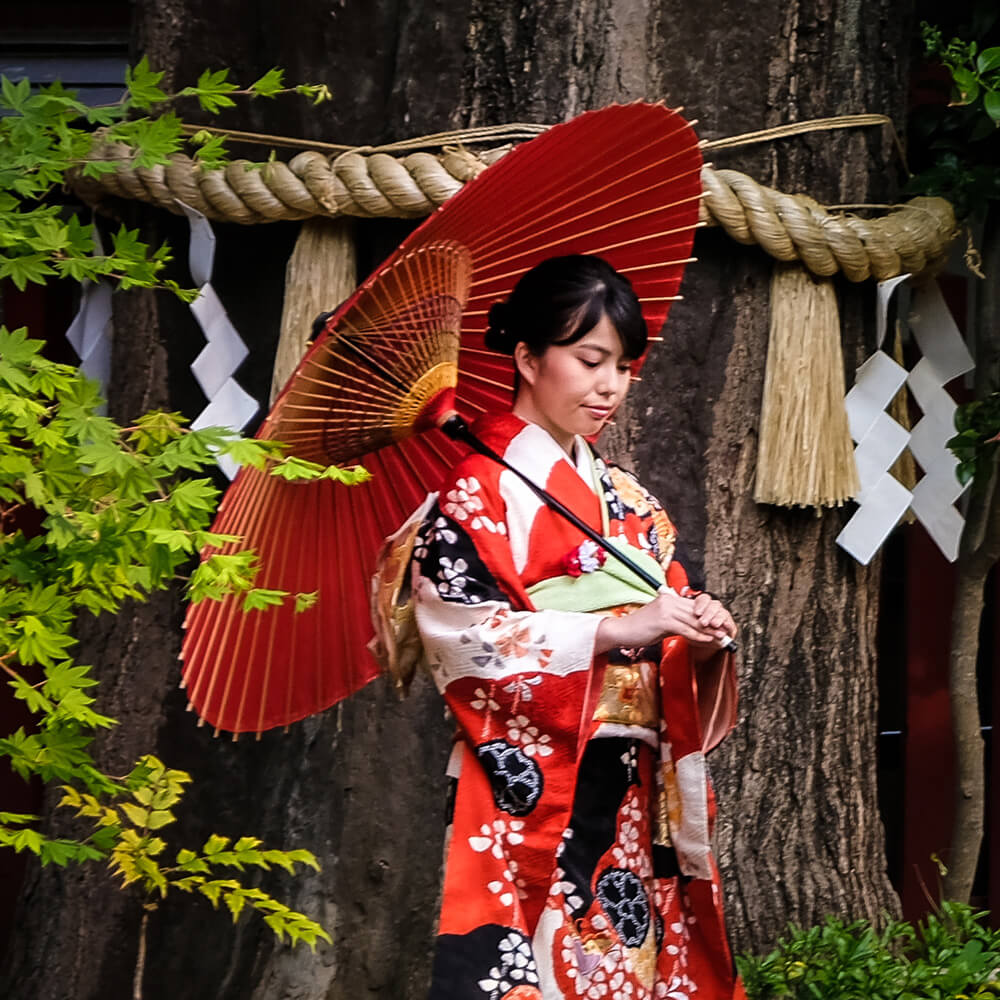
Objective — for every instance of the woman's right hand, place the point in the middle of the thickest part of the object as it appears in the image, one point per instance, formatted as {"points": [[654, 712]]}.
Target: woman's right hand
{"points": [[667, 614]]}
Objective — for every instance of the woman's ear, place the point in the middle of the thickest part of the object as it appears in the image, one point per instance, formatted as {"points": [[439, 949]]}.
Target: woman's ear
{"points": [[526, 363]]}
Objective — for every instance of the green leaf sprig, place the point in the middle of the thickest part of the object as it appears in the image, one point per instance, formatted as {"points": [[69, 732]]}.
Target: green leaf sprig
{"points": [[47, 134], [92, 515]]}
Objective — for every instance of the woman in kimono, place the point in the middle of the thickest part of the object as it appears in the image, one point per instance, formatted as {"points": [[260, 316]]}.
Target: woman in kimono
{"points": [[579, 860]]}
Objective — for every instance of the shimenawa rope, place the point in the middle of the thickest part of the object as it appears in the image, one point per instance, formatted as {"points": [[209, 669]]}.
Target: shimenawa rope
{"points": [[372, 183]]}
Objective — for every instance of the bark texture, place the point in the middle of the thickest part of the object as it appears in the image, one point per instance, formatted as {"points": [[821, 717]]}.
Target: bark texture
{"points": [[362, 785], [979, 551]]}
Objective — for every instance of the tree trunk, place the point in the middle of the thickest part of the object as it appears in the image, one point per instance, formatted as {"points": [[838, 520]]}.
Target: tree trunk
{"points": [[979, 551], [362, 785]]}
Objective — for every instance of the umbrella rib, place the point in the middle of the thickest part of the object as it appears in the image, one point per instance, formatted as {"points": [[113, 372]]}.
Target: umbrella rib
{"points": [[583, 178]]}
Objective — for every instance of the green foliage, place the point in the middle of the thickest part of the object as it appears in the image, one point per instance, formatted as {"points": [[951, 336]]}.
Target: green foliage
{"points": [[93, 515], [46, 134], [952, 954], [114, 515], [976, 75], [975, 444], [136, 854], [957, 141]]}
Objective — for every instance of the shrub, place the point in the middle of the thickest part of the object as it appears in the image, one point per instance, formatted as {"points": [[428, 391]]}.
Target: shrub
{"points": [[951, 955]]}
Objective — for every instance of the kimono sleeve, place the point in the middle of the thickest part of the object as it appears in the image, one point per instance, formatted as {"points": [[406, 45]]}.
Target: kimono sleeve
{"points": [[474, 616], [714, 680]]}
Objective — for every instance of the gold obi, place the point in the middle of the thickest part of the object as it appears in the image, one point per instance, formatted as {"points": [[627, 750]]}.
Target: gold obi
{"points": [[630, 695]]}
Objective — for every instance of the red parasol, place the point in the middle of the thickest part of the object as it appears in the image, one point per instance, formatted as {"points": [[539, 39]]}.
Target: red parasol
{"points": [[622, 183]]}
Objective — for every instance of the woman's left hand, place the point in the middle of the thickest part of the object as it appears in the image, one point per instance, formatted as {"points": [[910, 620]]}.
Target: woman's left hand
{"points": [[711, 615]]}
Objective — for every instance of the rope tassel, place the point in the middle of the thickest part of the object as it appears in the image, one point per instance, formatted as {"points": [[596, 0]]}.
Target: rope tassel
{"points": [[805, 457]]}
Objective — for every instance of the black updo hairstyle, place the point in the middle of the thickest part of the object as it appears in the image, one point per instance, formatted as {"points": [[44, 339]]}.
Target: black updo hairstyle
{"points": [[561, 300]]}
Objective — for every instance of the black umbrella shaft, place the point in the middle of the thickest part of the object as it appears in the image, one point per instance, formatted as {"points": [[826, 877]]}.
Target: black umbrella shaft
{"points": [[458, 430]]}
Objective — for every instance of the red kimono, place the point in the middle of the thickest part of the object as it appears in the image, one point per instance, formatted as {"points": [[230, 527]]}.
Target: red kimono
{"points": [[579, 862]]}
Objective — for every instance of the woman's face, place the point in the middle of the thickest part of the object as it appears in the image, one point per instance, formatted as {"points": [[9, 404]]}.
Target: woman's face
{"points": [[573, 388]]}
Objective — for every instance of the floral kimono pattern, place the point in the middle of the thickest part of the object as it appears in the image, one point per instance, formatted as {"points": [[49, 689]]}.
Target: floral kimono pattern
{"points": [[579, 862]]}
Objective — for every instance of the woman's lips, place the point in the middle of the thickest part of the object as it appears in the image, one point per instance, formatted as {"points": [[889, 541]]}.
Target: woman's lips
{"points": [[598, 412]]}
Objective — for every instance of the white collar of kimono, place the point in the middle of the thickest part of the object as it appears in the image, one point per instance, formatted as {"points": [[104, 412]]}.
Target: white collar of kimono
{"points": [[534, 452]]}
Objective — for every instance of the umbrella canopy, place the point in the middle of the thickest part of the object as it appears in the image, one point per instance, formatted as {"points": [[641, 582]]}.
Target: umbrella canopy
{"points": [[622, 183]]}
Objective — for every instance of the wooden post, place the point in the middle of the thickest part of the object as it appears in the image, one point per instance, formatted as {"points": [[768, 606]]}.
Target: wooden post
{"points": [[321, 273]]}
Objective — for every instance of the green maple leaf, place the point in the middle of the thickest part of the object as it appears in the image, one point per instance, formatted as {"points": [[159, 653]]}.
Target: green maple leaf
{"points": [[143, 84], [31, 267], [269, 84]]}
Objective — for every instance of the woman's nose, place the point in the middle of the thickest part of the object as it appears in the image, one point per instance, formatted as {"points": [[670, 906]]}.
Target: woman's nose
{"points": [[611, 382]]}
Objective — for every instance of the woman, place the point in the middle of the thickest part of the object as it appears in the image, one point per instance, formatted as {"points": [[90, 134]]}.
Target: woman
{"points": [[579, 861]]}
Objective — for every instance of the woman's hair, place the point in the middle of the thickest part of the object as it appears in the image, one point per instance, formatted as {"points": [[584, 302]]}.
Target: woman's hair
{"points": [[561, 300]]}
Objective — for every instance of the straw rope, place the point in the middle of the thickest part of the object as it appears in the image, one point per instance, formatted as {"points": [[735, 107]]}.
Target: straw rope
{"points": [[909, 238]]}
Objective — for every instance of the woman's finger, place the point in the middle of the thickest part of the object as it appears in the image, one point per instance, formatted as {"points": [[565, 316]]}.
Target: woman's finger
{"points": [[712, 612], [702, 603]]}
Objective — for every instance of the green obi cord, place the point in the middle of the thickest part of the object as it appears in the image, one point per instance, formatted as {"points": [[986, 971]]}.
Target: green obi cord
{"points": [[611, 585]]}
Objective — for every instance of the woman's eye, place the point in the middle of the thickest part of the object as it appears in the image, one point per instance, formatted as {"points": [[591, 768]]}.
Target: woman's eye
{"points": [[589, 364]]}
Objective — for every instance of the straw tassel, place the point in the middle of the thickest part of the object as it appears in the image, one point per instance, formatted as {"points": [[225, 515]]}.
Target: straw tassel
{"points": [[805, 457], [321, 273]]}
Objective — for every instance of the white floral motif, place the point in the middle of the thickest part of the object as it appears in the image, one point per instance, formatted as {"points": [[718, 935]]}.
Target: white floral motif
{"points": [[438, 531], [453, 579], [463, 505], [520, 730], [627, 852], [492, 837], [675, 945], [516, 965], [420, 546], [502, 888], [443, 533], [590, 562], [483, 700], [561, 846], [630, 758], [677, 988], [521, 687], [510, 880]]}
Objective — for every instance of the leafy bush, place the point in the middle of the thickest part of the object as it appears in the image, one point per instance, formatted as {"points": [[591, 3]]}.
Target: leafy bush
{"points": [[93, 515], [952, 955], [975, 444]]}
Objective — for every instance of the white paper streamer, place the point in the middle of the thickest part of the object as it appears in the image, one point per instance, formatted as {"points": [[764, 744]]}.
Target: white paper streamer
{"points": [[877, 452], [883, 295], [91, 333], [882, 500], [945, 357], [225, 350], [884, 504], [229, 405]]}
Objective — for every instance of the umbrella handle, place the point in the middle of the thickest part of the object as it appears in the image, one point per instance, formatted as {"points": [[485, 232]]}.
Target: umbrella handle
{"points": [[458, 430]]}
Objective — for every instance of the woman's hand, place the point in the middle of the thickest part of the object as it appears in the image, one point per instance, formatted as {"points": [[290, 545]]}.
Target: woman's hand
{"points": [[713, 616], [702, 620]]}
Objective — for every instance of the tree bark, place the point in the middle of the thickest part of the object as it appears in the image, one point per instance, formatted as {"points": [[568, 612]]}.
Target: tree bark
{"points": [[979, 551], [362, 785]]}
